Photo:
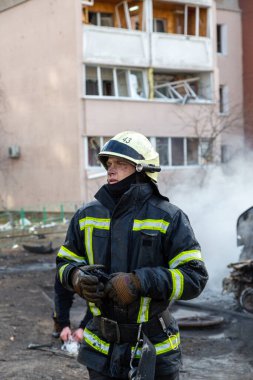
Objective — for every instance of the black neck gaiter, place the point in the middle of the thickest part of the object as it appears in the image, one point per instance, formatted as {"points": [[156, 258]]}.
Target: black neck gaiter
{"points": [[118, 189]]}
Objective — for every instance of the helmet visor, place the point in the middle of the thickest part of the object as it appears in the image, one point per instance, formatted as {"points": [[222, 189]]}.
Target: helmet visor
{"points": [[113, 146]]}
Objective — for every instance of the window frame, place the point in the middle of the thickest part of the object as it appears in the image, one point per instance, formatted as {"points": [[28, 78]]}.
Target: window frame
{"points": [[223, 99], [102, 141], [185, 152], [129, 71], [222, 39]]}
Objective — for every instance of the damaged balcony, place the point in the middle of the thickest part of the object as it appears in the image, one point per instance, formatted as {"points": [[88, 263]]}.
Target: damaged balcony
{"points": [[148, 33], [183, 88], [181, 35], [137, 84], [119, 29]]}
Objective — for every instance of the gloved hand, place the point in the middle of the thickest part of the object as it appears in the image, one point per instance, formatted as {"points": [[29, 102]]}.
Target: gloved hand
{"points": [[86, 284], [123, 288]]}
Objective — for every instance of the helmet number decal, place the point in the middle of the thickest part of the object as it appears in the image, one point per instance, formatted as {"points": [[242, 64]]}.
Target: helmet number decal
{"points": [[127, 140]]}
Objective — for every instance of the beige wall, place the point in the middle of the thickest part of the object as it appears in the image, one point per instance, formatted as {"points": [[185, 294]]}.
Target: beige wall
{"points": [[153, 118], [39, 78], [231, 73]]}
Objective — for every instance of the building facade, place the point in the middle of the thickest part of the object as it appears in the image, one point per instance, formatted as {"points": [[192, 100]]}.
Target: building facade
{"points": [[247, 32], [74, 73]]}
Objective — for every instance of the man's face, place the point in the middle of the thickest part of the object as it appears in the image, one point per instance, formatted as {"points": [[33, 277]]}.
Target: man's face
{"points": [[118, 169]]}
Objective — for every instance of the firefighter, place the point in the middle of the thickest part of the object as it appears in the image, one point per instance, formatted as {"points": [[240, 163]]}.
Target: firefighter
{"points": [[148, 250]]}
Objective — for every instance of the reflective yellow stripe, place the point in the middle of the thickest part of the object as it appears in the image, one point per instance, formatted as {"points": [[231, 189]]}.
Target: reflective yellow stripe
{"points": [[184, 257], [100, 223], [65, 253], [151, 224], [171, 343], [94, 309], [61, 270], [144, 310], [167, 345], [177, 284], [88, 224], [88, 244], [95, 342]]}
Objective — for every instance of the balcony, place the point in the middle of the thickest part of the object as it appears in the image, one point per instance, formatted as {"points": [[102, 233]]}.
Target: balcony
{"points": [[174, 35], [115, 46], [181, 52]]}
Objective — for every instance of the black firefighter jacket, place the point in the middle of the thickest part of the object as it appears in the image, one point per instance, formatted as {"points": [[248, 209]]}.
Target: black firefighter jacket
{"points": [[144, 233]]}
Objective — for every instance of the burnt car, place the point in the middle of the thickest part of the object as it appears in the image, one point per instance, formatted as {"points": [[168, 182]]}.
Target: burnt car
{"points": [[240, 280]]}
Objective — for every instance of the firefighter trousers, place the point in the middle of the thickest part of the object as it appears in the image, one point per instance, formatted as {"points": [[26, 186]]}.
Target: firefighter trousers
{"points": [[93, 375]]}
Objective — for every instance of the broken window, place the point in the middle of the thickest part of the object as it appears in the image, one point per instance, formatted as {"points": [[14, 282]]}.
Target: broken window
{"points": [[117, 82], [137, 84], [177, 151], [100, 19], [183, 87], [116, 13], [159, 25], [180, 18], [177, 87], [191, 21], [203, 31]]}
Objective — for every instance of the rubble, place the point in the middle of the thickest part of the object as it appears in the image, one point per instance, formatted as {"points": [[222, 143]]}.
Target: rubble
{"points": [[240, 283]]}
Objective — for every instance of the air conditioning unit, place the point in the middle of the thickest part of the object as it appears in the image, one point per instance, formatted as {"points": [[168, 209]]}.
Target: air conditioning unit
{"points": [[14, 151]]}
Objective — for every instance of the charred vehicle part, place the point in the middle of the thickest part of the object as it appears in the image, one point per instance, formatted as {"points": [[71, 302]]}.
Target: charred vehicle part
{"points": [[240, 281]]}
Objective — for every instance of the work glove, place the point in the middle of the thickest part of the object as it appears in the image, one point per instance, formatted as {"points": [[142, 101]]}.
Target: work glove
{"points": [[123, 288], [86, 284]]}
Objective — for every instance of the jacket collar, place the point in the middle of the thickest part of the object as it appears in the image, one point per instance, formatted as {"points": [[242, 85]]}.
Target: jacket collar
{"points": [[136, 195]]}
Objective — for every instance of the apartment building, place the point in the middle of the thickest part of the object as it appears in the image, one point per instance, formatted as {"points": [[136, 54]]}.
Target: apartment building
{"points": [[74, 73], [247, 32]]}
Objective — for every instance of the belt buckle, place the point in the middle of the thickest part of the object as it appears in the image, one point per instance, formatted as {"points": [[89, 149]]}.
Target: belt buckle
{"points": [[110, 330]]}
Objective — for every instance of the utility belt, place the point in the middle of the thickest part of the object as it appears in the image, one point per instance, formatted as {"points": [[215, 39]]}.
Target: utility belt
{"points": [[116, 332]]}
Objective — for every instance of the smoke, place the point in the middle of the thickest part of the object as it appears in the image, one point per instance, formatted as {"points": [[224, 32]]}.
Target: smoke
{"points": [[213, 208]]}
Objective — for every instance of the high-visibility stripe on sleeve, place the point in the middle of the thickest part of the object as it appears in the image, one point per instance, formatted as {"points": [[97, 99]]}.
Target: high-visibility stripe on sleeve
{"points": [[143, 314], [151, 224], [65, 253], [184, 257], [177, 284], [61, 270], [95, 342], [100, 223]]}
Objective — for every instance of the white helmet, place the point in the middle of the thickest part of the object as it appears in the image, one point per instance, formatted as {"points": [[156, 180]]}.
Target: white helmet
{"points": [[135, 148]]}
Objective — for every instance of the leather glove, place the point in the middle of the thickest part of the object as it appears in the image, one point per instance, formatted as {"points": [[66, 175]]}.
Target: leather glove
{"points": [[86, 284], [123, 288]]}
